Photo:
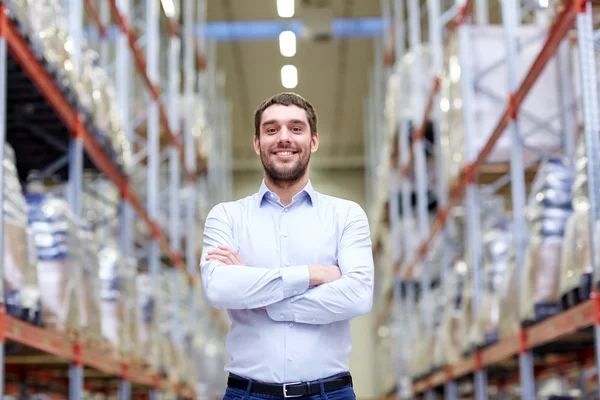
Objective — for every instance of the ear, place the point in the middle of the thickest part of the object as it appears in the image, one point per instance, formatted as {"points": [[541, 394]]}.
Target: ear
{"points": [[314, 142], [257, 145]]}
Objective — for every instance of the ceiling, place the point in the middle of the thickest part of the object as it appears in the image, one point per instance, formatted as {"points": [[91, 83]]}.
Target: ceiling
{"points": [[333, 75]]}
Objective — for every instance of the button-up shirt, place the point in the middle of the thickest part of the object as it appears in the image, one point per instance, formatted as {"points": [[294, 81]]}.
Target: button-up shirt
{"points": [[304, 333]]}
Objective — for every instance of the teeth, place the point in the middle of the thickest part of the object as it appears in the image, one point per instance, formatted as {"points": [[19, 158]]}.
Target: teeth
{"points": [[285, 153]]}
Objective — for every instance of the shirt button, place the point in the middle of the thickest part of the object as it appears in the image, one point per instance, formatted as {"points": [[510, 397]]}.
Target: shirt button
{"points": [[285, 209], [285, 234], [282, 316], [287, 264], [291, 358], [291, 325], [264, 302], [313, 320]]}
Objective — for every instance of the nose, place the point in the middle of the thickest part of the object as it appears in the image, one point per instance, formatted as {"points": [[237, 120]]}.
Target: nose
{"points": [[284, 136]]}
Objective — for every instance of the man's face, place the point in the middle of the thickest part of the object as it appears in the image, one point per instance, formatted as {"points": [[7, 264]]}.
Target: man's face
{"points": [[285, 143]]}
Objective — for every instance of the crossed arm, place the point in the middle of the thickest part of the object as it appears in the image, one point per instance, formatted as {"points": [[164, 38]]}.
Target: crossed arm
{"points": [[313, 294]]}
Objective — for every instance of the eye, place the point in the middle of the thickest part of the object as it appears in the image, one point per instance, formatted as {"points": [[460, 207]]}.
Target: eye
{"points": [[271, 130], [297, 129]]}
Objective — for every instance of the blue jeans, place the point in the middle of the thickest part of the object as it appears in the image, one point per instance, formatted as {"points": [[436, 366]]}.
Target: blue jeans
{"points": [[345, 393]]}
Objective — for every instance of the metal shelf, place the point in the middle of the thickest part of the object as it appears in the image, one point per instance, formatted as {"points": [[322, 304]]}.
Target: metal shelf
{"points": [[50, 133], [563, 324], [85, 355], [72, 125], [408, 169]]}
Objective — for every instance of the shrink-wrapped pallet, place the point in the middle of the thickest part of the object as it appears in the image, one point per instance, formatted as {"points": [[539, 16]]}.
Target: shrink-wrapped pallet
{"points": [[548, 209], [56, 235], [132, 347], [576, 265], [486, 53], [21, 290], [44, 22], [438, 303], [147, 330], [449, 340], [118, 300], [171, 323], [497, 243], [508, 321], [90, 293]]}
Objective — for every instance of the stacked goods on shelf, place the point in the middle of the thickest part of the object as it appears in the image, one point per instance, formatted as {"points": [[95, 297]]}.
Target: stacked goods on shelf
{"points": [[433, 306], [491, 92], [400, 103], [165, 312], [89, 89], [21, 289], [147, 333], [186, 348], [415, 355], [549, 208], [473, 328], [170, 328], [90, 293], [118, 301], [446, 350], [497, 256], [57, 238], [576, 265]]}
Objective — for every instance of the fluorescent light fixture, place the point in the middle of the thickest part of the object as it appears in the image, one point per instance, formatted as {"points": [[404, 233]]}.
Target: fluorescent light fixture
{"points": [[285, 8], [169, 8], [287, 43], [289, 76]]}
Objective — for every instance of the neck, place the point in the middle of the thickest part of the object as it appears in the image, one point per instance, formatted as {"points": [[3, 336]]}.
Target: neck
{"points": [[286, 191]]}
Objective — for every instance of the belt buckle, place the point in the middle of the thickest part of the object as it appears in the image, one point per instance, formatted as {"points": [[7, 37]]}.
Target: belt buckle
{"points": [[285, 385]]}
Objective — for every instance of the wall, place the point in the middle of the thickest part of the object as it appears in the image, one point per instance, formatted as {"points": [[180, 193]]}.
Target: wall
{"points": [[348, 184]]}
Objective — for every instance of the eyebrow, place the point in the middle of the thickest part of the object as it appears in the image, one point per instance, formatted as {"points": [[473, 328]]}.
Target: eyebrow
{"points": [[292, 121]]}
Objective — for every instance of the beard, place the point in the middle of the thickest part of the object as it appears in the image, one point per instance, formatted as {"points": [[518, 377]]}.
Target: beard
{"points": [[285, 174]]}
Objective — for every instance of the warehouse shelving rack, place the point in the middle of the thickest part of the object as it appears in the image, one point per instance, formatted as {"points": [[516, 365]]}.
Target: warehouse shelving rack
{"points": [[69, 145], [400, 298]]}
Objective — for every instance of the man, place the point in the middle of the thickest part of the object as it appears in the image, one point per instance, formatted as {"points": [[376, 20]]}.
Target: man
{"points": [[292, 267]]}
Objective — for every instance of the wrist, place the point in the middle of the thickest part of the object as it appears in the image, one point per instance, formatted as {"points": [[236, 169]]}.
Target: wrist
{"points": [[315, 274]]}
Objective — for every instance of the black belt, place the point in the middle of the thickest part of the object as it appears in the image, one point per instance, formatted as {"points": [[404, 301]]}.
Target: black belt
{"points": [[295, 389]]}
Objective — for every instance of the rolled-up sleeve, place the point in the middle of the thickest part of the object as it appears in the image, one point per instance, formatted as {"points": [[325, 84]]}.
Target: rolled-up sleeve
{"points": [[239, 286], [348, 297]]}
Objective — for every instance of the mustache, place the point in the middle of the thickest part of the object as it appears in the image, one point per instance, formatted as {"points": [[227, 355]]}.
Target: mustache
{"points": [[286, 148]]}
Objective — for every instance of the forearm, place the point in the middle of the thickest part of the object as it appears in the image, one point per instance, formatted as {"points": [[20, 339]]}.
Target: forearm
{"points": [[346, 298], [242, 287]]}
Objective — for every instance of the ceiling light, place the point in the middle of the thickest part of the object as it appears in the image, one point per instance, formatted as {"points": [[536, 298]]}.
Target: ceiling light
{"points": [[287, 43], [289, 76], [285, 8]]}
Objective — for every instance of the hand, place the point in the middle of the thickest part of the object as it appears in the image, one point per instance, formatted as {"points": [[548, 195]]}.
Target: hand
{"points": [[321, 274], [226, 255]]}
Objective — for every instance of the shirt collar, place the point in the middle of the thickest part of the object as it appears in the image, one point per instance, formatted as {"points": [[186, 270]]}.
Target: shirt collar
{"points": [[308, 190]]}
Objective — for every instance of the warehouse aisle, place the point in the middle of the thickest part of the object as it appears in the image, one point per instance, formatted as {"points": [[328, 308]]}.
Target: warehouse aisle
{"points": [[462, 135]]}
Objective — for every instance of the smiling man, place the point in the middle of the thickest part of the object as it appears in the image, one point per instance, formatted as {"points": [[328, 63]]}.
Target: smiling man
{"points": [[292, 267]]}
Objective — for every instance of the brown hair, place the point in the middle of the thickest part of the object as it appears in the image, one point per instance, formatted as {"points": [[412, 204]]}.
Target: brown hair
{"points": [[287, 99]]}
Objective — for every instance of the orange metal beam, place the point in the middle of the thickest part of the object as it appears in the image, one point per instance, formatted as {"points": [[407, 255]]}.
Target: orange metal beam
{"points": [[557, 32], [93, 11], [21, 52], [566, 322], [140, 63], [61, 346]]}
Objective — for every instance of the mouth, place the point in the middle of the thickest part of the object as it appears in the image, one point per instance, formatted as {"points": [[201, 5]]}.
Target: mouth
{"points": [[284, 154]]}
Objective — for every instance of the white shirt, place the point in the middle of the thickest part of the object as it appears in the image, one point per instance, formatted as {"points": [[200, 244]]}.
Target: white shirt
{"points": [[304, 334]]}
